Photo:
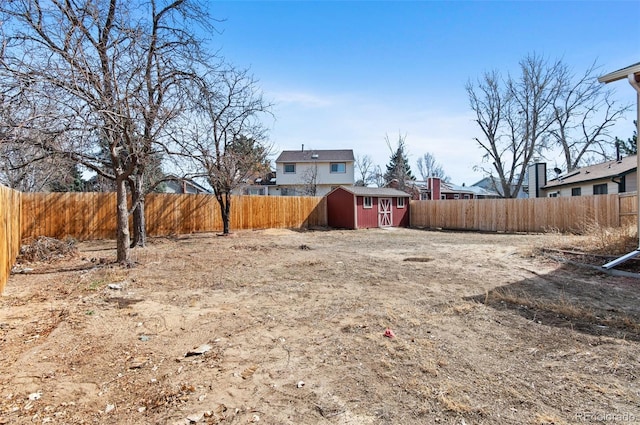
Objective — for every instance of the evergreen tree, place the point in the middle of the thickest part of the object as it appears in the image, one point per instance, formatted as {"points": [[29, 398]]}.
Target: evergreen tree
{"points": [[71, 181], [398, 168], [629, 146]]}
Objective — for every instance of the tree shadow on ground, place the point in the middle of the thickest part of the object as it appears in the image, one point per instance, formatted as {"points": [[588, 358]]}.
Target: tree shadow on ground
{"points": [[587, 301]]}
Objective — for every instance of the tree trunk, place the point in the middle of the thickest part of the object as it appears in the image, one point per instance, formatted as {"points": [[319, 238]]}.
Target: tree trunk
{"points": [[224, 199], [123, 222], [139, 224]]}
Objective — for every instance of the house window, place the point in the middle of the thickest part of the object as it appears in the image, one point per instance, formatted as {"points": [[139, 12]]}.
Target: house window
{"points": [[338, 167], [456, 196], [553, 195], [254, 191], [443, 197], [368, 202], [400, 202], [600, 189], [576, 191], [290, 168], [467, 197]]}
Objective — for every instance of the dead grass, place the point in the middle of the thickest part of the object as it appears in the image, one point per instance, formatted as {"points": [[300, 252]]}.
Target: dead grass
{"points": [[277, 315], [562, 307]]}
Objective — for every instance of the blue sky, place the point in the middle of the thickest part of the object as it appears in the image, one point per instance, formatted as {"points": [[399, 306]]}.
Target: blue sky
{"points": [[343, 75]]}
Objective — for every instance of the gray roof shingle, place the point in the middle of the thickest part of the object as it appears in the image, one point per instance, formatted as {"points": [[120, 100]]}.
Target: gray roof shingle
{"points": [[345, 155], [596, 172], [375, 191]]}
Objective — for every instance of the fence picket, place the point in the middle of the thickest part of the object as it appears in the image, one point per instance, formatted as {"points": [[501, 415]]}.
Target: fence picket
{"points": [[10, 216]]}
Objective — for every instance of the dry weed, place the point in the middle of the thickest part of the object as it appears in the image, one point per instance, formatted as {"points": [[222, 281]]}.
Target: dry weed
{"points": [[463, 308], [609, 240], [453, 405]]}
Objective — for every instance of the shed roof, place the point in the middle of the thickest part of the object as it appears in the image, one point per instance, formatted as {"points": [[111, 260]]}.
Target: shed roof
{"points": [[316, 155], [621, 73], [375, 191], [604, 170]]}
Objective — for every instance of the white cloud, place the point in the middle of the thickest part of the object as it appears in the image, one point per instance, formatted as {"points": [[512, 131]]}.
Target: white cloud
{"points": [[306, 100]]}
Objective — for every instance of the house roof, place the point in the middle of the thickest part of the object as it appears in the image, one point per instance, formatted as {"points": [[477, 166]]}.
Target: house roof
{"points": [[189, 182], [447, 187], [316, 155], [601, 171], [481, 191], [375, 191], [621, 73]]}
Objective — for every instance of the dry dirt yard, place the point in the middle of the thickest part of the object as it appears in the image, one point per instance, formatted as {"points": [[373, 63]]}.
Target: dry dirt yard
{"points": [[286, 327]]}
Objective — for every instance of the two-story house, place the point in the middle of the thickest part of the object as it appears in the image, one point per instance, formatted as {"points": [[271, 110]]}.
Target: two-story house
{"points": [[313, 172]]}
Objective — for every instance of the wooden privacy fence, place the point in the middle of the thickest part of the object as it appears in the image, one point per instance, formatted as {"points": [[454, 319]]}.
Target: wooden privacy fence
{"points": [[10, 203], [522, 215], [87, 216], [628, 209]]}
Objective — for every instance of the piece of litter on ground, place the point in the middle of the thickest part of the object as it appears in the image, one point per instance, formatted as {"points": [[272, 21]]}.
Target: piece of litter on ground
{"points": [[35, 396], [196, 417], [199, 351], [109, 408], [389, 333], [300, 384], [144, 338], [115, 286]]}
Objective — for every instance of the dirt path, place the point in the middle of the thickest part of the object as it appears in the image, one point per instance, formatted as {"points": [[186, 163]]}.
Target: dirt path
{"points": [[291, 326]]}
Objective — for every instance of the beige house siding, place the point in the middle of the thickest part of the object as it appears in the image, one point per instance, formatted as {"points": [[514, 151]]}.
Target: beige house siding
{"points": [[324, 178], [631, 182], [586, 188]]}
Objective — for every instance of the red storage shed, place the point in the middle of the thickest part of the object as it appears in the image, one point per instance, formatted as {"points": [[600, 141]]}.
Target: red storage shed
{"points": [[357, 207]]}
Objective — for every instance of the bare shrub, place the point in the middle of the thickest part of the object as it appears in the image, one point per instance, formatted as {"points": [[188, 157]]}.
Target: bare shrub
{"points": [[47, 249]]}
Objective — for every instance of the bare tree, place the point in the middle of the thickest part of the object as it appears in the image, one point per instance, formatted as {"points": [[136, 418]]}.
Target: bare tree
{"points": [[429, 167], [310, 180], [24, 164], [515, 117], [366, 170], [377, 177], [105, 64], [224, 136], [584, 113], [544, 108]]}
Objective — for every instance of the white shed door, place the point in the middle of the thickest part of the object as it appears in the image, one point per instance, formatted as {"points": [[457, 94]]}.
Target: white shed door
{"points": [[384, 212]]}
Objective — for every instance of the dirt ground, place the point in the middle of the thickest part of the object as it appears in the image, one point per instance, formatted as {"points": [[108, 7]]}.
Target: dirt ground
{"points": [[286, 327]]}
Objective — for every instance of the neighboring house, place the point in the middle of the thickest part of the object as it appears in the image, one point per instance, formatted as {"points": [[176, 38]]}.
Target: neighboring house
{"points": [[492, 185], [359, 207], [313, 172], [617, 176], [178, 185], [435, 188], [262, 185]]}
